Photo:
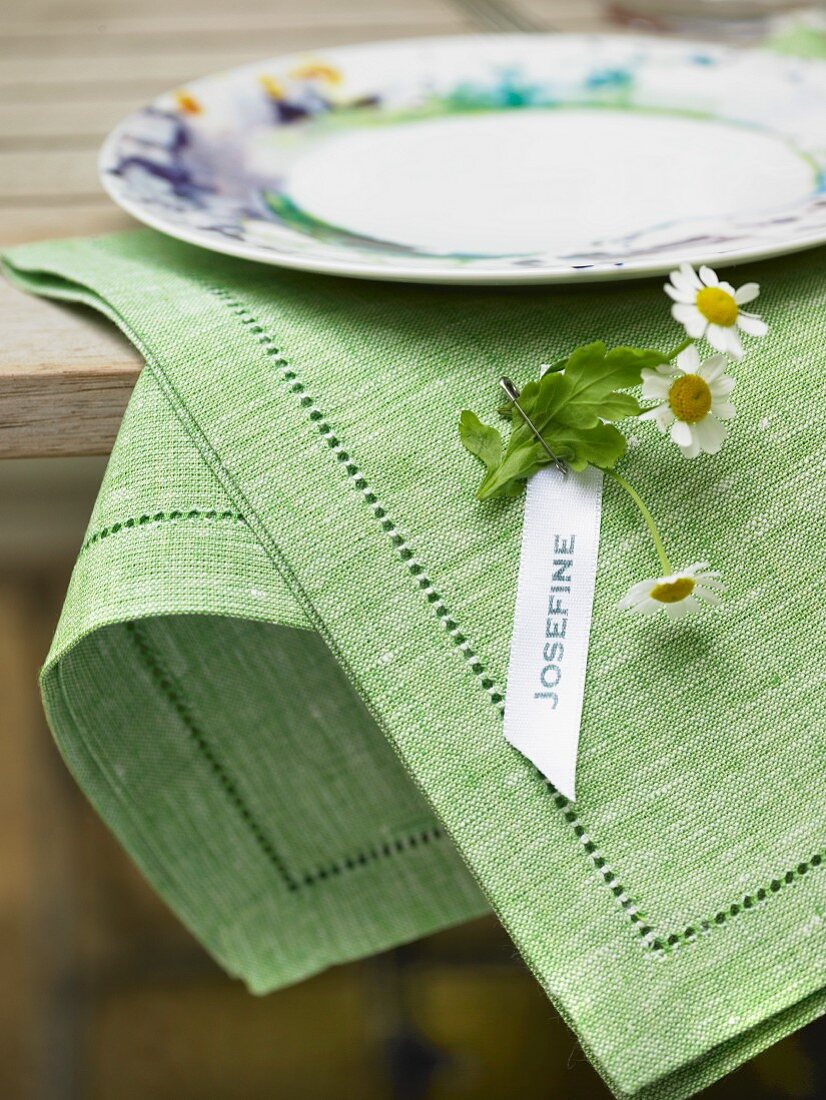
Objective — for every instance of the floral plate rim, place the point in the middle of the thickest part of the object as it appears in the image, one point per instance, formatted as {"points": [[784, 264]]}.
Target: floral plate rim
{"points": [[434, 269]]}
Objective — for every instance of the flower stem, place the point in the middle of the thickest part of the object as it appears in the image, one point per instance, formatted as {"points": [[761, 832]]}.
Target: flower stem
{"points": [[680, 347], [653, 530]]}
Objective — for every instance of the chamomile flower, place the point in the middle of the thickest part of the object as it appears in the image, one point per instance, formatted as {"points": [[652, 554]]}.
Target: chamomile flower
{"points": [[705, 306], [679, 594], [694, 401]]}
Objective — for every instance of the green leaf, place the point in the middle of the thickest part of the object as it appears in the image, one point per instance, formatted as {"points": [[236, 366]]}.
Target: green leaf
{"points": [[602, 446], [508, 479], [592, 366], [643, 358], [593, 376], [618, 406], [570, 406], [480, 440], [501, 479]]}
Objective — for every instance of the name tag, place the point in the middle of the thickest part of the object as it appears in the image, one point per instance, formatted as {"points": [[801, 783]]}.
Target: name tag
{"points": [[552, 623]]}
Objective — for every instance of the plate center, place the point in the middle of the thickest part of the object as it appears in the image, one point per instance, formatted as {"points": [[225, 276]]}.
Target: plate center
{"points": [[555, 181]]}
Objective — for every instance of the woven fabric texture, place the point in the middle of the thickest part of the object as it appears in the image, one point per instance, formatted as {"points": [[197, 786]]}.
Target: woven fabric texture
{"points": [[279, 672]]}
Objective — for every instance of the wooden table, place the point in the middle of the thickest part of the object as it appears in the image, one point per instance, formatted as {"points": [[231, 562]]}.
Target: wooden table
{"points": [[68, 72]]}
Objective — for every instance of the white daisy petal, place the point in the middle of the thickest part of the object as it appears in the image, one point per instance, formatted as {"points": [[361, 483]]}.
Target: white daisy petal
{"points": [[662, 416], [648, 607], [746, 293], [691, 448], [708, 595], [681, 433], [735, 347], [689, 359], [722, 387], [654, 378], [725, 338], [640, 590], [727, 287], [723, 410], [711, 434], [688, 275], [689, 316], [685, 607], [636, 595], [643, 605], [709, 276], [717, 336], [656, 388], [753, 325], [712, 368], [695, 568], [680, 294], [708, 576]]}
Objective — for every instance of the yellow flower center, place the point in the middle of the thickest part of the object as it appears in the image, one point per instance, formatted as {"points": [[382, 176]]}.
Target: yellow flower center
{"points": [[717, 306], [673, 591], [690, 398]]}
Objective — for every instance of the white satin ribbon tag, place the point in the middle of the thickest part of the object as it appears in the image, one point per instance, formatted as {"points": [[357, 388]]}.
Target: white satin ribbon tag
{"points": [[552, 624]]}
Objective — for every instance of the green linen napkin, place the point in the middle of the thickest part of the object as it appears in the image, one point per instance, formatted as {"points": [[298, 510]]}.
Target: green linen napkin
{"points": [[279, 670]]}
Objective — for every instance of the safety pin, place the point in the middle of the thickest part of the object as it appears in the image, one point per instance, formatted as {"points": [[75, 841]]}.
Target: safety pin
{"points": [[513, 395]]}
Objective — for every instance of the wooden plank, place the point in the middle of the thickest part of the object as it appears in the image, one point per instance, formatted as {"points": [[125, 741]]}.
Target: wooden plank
{"points": [[144, 75], [164, 69], [568, 15], [498, 16], [161, 30], [92, 118], [96, 14], [101, 61], [65, 378], [47, 173], [23, 223]]}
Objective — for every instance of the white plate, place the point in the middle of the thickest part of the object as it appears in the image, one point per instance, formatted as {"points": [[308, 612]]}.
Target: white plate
{"points": [[494, 159]]}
